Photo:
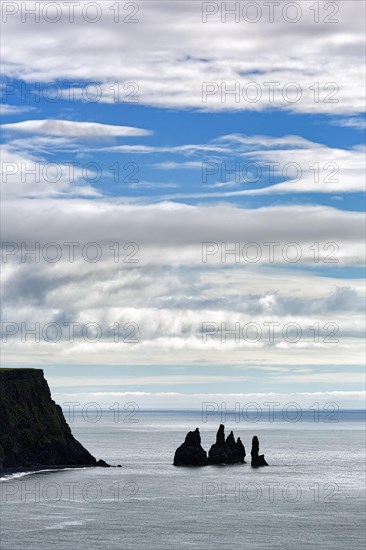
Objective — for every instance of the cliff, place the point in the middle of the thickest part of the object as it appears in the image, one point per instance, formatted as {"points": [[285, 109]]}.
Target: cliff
{"points": [[33, 430]]}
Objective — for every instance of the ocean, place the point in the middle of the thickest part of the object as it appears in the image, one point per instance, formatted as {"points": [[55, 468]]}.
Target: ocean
{"points": [[312, 495]]}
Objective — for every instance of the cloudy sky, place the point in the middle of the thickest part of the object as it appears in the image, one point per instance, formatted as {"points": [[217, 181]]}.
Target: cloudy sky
{"points": [[191, 183]]}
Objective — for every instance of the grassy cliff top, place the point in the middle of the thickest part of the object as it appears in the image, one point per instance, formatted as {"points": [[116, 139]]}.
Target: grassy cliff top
{"points": [[20, 373], [8, 369]]}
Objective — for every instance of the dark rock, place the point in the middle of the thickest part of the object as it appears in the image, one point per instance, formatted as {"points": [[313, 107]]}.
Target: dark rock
{"points": [[226, 452], [33, 430], [262, 461], [241, 451], [220, 436], [230, 441], [190, 453], [232, 445], [257, 459], [103, 464], [219, 453]]}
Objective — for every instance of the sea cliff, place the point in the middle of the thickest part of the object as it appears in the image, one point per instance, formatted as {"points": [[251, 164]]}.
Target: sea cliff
{"points": [[33, 430]]}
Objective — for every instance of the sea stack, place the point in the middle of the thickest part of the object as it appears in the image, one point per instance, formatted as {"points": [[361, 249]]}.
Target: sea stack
{"points": [[241, 451], [33, 431], [257, 459], [226, 451], [191, 453]]}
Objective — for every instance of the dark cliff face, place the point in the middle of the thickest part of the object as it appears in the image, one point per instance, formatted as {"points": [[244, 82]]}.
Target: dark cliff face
{"points": [[33, 430]]}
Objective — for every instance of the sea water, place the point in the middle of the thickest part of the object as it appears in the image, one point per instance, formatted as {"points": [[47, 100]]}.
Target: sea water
{"points": [[312, 495]]}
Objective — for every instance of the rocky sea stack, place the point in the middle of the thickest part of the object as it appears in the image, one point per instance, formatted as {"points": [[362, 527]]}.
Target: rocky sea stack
{"points": [[190, 453], [226, 451], [33, 430], [223, 451], [257, 459]]}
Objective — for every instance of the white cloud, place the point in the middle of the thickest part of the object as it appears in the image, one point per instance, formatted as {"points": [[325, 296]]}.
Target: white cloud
{"points": [[7, 110], [308, 167], [183, 53], [169, 165], [215, 402], [359, 123], [27, 174], [69, 128], [315, 169], [171, 292], [182, 227]]}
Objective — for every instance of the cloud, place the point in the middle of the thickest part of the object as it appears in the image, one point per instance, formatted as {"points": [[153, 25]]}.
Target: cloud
{"points": [[27, 174], [213, 401], [359, 123], [185, 52], [171, 225], [170, 292], [316, 170], [67, 128], [152, 185], [7, 110], [307, 166], [170, 165]]}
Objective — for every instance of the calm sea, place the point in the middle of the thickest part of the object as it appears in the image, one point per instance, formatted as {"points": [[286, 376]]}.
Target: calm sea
{"points": [[311, 496]]}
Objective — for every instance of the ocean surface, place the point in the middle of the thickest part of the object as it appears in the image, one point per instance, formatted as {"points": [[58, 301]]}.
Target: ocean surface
{"points": [[311, 496]]}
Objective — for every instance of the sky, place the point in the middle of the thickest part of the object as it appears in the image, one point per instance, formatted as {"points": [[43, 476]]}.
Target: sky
{"points": [[190, 178]]}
